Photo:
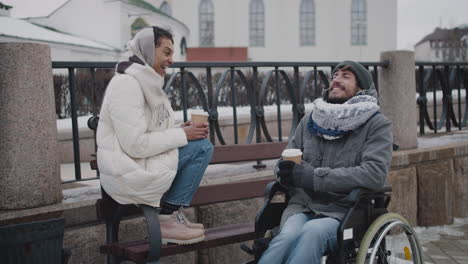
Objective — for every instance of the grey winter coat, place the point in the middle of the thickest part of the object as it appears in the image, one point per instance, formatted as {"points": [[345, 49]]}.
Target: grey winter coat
{"points": [[359, 159]]}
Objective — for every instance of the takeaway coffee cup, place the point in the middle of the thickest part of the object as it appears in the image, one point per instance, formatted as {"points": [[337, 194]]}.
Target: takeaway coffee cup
{"points": [[199, 116], [292, 154]]}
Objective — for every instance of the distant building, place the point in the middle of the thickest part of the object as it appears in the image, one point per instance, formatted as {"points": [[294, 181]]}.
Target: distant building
{"points": [[4, 9], [104, 25], [444, 45], [280, 30]]}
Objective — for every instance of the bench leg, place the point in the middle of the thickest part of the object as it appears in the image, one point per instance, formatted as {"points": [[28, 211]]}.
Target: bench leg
{"points": [[112, 233], [154, 233], [113, 236]]}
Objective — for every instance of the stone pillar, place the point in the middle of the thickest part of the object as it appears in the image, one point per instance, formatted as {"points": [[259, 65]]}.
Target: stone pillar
{"points": [[397, 89], [29, 167]]}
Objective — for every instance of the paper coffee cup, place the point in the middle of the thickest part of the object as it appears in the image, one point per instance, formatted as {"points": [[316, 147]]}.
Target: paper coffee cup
{"points": [[292, 154], [199, 116]]}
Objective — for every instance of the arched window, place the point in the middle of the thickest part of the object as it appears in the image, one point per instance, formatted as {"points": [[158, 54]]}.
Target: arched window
{"points": [[166, 8], [183, 46], [307, 22], [206, 23], [138, 24], [359, 22], [257, 23]]}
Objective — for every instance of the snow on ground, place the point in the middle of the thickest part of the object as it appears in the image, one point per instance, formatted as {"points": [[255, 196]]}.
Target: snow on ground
{"points": [[434, 233]]}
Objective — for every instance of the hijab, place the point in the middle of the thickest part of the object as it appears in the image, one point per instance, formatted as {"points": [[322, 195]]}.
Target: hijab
{"points": [[140, 49]]}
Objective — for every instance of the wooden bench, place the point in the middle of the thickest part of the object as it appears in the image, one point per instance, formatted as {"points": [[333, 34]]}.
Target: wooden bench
{"points": [[149, 251]]}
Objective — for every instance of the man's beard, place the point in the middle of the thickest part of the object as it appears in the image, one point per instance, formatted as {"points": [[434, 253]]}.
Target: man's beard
{"points": [[336, 100]]}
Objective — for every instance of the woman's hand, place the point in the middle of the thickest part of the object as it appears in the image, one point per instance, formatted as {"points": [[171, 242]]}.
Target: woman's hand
{"points": [[194, 130], [188, 123]]}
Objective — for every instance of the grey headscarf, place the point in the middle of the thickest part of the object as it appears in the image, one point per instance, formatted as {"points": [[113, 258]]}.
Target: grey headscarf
{"points": [[142, 45]]}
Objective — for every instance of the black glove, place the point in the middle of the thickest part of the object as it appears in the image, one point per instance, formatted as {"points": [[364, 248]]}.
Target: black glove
{"points": [[284, 172]]}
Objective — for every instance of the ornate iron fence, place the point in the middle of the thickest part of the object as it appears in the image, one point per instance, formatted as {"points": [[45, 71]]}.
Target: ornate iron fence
{"points": [[444, 80], [210, 85]]}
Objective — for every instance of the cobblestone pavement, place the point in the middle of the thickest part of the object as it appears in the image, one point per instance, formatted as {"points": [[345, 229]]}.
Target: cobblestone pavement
{"points": [[451, 247]]}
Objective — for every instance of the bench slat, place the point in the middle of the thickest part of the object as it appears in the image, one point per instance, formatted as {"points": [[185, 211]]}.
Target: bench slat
{"points": [[226, 192], [137, 251], [247, 152]]}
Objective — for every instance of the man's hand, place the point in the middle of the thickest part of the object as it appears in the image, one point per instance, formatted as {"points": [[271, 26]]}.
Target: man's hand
{"points": [[195, 130], [284, 172]]}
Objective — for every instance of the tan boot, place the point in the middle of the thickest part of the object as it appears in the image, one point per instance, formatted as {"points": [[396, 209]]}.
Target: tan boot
{"points": [[172, 231], [180, 216]]}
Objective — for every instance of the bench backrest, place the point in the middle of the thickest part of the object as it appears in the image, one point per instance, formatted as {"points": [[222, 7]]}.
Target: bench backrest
{"points": [[247, 152], [239, 153]]}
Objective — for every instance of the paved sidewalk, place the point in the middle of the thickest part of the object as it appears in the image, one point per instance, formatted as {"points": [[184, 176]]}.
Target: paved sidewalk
{"points": [[447, 244]]}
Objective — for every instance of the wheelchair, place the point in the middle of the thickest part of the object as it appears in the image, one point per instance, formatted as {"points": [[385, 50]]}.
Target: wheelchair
{"points": [[368, 233]]}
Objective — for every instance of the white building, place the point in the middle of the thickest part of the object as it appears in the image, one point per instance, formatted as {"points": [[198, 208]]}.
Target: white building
{"points": [[108, 23], [292, 30], [443, 45]]}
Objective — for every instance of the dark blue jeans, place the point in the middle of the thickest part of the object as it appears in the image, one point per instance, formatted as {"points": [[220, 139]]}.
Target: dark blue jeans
{"points": [[304, 238], [193, 160]]}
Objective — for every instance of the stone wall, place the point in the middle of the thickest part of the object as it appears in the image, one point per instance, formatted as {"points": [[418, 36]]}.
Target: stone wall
{"points": [[438, 177]]}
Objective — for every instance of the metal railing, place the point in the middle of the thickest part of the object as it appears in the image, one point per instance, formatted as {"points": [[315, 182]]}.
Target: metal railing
{"points": [[442, 79], [283, 82]]}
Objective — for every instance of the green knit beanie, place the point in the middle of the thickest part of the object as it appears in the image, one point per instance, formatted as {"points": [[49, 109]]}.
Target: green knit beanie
{"points": [[363, 76]]}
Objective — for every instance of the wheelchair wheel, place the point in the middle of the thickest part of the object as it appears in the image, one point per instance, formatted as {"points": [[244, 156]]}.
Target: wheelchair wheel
{"points": [[389, 239]]}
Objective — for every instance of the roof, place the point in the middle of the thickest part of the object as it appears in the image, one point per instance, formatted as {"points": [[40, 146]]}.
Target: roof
{"points": [[44, 8], [22, 29], [147, 6], [34, 8], [3, 6], [445, 34]]}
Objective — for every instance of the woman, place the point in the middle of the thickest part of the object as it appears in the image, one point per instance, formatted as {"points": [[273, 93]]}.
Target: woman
{"points": [[142, 155]]}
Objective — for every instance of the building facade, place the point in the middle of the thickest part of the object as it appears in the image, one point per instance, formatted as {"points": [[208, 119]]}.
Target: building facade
{"points": [[293, 30], [444, 45]]}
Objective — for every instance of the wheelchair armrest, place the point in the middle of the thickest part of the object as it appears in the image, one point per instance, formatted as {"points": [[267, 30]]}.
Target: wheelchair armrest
{"points": [[355, 196], [271, 189], [269, 216]]}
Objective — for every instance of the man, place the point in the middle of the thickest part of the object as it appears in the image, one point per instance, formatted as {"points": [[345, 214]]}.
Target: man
{"points": [[346, 144], [142, 155]]}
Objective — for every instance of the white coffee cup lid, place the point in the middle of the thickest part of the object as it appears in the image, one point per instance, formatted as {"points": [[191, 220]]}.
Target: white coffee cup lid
{"points": [[199, 112], [291, 152]]}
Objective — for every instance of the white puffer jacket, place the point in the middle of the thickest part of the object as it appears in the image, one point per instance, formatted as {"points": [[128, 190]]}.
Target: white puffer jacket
{"points": [[137, 140]]}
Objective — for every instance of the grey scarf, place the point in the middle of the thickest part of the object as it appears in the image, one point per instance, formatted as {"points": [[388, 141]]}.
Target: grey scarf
{"points": [[332, 121]]}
